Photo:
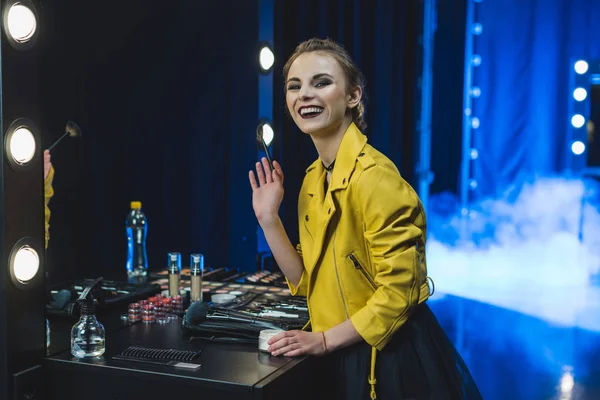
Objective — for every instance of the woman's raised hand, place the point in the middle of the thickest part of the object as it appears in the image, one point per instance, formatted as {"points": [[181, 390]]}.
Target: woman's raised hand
{"points": [[267, 192]]}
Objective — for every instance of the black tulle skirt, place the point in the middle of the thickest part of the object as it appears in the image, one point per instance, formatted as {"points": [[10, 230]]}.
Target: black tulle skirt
{"points": [[419, 363]]}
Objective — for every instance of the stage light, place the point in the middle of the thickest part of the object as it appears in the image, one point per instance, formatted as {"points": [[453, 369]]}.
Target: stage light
{"points": [[267, 132], [567, 382], [474, 154], [473, 184], [24, 263], [20, 23], [467, 111], [580, 94], [266, 58], [475, 122], [578, 147], [476, 60], [21, 145], [477, 28], [475, 92], [578, 120], [581, 67]]}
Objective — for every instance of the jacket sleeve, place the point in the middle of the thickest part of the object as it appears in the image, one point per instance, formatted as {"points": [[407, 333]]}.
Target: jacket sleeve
{"points": [[394, 228], [301, 289], [48, 193]]}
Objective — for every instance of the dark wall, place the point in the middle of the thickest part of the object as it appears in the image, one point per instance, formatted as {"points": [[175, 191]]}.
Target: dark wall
{"points": [[593, 126], [166, 97], [447, 107]]}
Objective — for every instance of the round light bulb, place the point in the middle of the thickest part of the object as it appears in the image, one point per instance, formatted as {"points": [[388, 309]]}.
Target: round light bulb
{"points": [[268, 133], [580, 94], [266, 58], [22, 145], [21, 23], [26, 264], [581, 67], [578, 120], [578, 148]]}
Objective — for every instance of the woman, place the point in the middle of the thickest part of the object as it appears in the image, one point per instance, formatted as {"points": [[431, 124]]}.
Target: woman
{"points": [[48, 191], [361, 257]]}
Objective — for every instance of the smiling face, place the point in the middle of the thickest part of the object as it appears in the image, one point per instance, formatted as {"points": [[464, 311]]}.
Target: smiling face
{"points": [[317, 96]]}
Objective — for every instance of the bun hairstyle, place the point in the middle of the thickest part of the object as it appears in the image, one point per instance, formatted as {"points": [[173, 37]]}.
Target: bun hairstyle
{"points": [[353, 74]]}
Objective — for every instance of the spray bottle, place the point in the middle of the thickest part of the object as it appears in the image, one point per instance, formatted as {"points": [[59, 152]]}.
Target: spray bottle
{"points": [[88, 338]]}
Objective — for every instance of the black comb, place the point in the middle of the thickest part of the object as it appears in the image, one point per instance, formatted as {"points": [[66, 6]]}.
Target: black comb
{"points": [[174, 358]]}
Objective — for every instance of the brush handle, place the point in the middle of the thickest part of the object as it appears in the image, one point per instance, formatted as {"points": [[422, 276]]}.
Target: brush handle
{"points": [[59, 139], [267, 153]]}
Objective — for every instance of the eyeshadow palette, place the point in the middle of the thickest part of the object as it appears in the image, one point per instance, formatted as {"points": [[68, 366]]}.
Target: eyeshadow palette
{"points": [[237, 289], [210, 288], [234, 276]]}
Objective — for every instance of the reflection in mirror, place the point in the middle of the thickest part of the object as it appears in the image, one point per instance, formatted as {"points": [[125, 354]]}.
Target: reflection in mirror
{"points": [[593, 127], [166, 99]]}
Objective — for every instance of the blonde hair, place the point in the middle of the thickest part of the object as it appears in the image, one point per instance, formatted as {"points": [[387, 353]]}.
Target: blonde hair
{"points": [[354, 76]]}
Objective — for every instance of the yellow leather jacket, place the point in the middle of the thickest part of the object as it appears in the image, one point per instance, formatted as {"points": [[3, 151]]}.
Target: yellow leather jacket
{"points": [[362, 242], [48, 193]]}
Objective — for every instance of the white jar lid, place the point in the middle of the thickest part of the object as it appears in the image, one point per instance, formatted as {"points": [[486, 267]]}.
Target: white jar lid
{"points": [[264, 337], [222, 298]]}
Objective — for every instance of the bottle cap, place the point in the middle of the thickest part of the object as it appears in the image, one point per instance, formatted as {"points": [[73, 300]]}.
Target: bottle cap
{"points": [[174, 263], [135, 205], [87, 309], [196, 263]]}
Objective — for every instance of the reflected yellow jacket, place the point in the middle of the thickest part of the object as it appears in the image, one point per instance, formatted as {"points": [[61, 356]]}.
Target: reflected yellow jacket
{"points": [[362, 243], [48, 193]]}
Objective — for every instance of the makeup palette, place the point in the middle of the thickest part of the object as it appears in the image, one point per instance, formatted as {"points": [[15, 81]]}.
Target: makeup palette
{"points": [[262, 293], [211, 288], [242, 289], [266, 277]]}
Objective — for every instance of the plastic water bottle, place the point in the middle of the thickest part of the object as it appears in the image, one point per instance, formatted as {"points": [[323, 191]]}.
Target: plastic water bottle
{"points": [[137, 230]]}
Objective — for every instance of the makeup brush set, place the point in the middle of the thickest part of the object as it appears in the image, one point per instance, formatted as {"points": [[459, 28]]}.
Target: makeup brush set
{"points": [[243, 321]]}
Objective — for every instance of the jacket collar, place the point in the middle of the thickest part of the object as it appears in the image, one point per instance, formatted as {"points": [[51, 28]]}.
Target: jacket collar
{"points": [[352, 144]]}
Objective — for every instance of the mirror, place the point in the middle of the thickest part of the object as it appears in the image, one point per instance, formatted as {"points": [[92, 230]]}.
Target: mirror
{"points": [[166, 98], [593, 127]]}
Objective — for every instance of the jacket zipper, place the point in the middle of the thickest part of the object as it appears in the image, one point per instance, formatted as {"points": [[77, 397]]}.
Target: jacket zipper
{"points": [[359, 267], [419, 273], [419, 264], [337, 275]]}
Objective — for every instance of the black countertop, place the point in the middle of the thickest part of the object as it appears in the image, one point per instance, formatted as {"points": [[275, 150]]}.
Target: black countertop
{"points": [[228, 370]]}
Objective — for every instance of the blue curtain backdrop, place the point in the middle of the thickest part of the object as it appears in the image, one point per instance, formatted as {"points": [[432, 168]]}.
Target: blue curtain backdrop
{"points": [[526, 49]]}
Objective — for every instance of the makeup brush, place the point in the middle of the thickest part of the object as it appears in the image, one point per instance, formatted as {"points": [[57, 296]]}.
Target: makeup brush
{"points": [[199, 312], [71, 129], [261, 142]]}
